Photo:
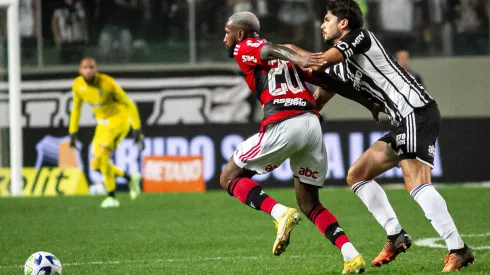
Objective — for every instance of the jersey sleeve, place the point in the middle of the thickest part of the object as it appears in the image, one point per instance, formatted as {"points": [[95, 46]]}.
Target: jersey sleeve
{"points": [[76, 109], [247, 54], [121, 97], [355, 42]]}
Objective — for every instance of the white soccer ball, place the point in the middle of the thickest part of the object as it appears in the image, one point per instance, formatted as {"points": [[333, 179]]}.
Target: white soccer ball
{"points": [[42, 263]]}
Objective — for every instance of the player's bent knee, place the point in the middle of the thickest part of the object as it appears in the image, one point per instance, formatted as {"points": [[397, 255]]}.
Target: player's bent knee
{"points": [[225, 179], [354, 175]]}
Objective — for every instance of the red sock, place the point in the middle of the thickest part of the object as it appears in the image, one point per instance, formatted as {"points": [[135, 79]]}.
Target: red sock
{"points": [[250, 193], [326, 222]]}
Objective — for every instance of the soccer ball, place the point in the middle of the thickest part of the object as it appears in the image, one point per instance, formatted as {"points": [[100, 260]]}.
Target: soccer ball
{"points": [[42, 263]]}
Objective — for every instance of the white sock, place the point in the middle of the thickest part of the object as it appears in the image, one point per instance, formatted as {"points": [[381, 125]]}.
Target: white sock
{"points": [[348, 251], [278, 210], [436, 212], [374, 197]]}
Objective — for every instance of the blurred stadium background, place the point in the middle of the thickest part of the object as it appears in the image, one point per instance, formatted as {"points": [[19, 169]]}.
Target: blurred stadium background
{"points": [[170, 58]]}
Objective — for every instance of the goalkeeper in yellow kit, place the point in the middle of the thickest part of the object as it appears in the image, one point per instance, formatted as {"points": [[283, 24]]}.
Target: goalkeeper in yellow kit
{"points": [[115, 114]]}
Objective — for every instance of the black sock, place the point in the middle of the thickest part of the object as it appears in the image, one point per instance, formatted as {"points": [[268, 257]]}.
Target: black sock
{"points": [[112, 194], [458, 251], [393, 238]]}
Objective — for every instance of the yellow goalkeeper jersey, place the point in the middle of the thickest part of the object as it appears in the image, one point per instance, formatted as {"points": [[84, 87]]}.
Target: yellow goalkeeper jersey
{"points": [[106, 98]]}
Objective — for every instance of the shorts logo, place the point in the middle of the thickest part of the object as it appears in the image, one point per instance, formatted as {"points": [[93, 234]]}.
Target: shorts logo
{"points": [[400, 139], [432, 150], [308, 173], [270, 167]]}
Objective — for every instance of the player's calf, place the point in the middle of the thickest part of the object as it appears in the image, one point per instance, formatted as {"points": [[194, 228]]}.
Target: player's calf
{"points": [[328, 225]]}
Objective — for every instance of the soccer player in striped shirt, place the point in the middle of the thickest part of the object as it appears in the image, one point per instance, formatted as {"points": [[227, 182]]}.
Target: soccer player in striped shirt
{"points": [[358, 58]]}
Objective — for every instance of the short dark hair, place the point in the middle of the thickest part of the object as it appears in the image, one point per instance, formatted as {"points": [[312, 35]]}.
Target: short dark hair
{"points": [[347, 9]]}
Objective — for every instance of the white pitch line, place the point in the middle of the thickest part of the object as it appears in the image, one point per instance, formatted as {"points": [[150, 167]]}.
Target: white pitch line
{"points": [[432, 242], [199, 259]]}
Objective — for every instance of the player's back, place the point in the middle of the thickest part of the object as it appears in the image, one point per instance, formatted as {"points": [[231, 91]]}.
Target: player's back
{"points": [[278, 85], [101, 95]]}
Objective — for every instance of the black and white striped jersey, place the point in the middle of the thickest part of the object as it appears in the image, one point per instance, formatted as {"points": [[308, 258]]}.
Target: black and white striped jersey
{"points": [[374, 72]]}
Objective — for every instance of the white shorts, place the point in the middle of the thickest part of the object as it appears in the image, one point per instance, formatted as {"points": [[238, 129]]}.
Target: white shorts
{"points": [[299, 138]]}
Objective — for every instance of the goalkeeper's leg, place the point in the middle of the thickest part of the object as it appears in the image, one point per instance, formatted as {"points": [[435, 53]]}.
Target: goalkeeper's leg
{"points": [[102, 163]]}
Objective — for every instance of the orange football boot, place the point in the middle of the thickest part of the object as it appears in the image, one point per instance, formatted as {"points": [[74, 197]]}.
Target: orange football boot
{"points": [[458, 259], [391, 249]]}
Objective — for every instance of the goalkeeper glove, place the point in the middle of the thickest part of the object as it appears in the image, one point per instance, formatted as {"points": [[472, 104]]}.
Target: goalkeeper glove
{"points": [[73, 141], [139, 139]]}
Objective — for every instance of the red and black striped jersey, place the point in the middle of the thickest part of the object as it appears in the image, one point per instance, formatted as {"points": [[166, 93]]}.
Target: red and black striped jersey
{"points": [[278, 85]]}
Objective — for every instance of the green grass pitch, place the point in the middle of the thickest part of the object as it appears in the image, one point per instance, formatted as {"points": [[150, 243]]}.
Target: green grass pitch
{"points": [[213, 233]]}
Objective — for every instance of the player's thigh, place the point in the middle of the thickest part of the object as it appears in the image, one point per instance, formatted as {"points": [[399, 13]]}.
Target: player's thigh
{"points": [[120, 132], [243, 163], [306, 196], [416, 138], [265, 151], [376, 160], [309, 165], [109, 135]]}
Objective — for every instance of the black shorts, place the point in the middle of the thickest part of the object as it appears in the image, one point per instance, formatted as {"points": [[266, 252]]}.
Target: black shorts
{"points": [[415, 136]]}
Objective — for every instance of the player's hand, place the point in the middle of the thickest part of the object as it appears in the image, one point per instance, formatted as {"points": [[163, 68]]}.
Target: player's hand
{"points": [[315, 61], [139, 139], [73, 141], [310, 60], [375, 110]]}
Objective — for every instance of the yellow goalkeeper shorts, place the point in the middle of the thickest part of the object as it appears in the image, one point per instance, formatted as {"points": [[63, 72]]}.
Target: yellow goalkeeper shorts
{"points": [[109, 133]]}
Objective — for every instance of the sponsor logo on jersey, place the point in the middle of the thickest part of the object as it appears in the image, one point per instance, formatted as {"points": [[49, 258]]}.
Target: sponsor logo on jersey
{"points": [[290, 101], [308, 173], [357, 80], [248, 58], [255, 44], [358, 39]]}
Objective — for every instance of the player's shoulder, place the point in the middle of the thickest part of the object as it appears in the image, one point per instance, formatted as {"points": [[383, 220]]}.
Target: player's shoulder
{"points": [[358, 35], [357, 41], [106, 78], [78, 81], [249, 44]]}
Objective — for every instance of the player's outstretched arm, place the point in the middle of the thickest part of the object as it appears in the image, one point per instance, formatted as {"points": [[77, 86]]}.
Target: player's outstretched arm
{"points": [[297, 49], [329, 86], [327, 59], [274, 51]]}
